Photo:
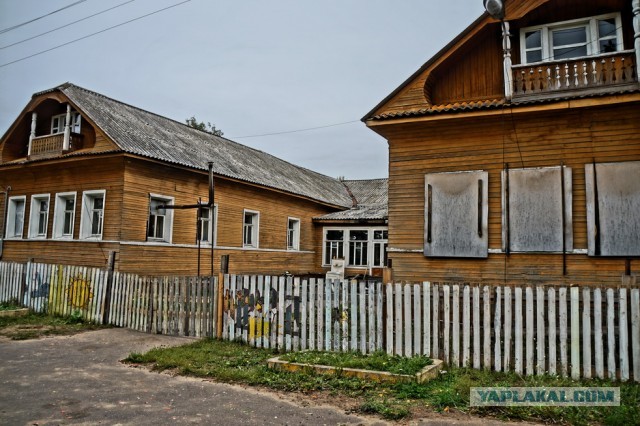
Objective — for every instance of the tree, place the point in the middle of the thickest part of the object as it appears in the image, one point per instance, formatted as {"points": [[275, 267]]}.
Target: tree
{"points": [[201, 125]]}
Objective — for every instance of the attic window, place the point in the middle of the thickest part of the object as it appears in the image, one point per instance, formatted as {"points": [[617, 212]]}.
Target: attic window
{"points": [[58, 122], [571, 39]]}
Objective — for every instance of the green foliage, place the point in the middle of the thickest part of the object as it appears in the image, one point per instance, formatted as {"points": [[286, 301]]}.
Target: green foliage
{"points": [[390, 410], [377, 361], [35, 325], [10, 305], [201, 125], [238, 363]]}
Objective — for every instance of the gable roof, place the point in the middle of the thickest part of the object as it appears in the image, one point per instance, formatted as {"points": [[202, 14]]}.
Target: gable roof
{"points": [[370, 197], [514, 10], [146, 134]]}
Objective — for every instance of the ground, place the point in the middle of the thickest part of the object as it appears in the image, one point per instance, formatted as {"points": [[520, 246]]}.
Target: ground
{"points": [[78, 379]]}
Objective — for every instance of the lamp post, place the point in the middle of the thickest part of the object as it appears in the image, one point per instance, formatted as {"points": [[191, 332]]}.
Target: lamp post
{"points": [[495, 8]]}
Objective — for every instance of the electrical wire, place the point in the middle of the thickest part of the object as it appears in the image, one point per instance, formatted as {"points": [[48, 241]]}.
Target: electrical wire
{"points": [[5, 30], [67, 25], [295, 131], [96, 33]]}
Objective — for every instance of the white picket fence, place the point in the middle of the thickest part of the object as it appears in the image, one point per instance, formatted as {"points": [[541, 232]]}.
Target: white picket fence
{"points": [[181, 306], [580, 332]]}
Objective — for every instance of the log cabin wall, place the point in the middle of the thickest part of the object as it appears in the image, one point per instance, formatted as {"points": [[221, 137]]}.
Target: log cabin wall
{"points": [[534, 139]]}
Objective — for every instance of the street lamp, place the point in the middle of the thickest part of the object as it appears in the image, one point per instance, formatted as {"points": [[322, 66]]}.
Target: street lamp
{"points": [[495, 8]]}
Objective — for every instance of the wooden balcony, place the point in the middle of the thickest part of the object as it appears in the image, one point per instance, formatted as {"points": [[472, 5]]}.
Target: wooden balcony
{"points": [[582, 76], [52, 145]]}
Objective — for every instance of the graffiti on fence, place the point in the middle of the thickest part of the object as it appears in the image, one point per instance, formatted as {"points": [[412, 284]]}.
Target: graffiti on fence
{"points": [[37, 288], [247, 312], [69, 292], [79, 292]]}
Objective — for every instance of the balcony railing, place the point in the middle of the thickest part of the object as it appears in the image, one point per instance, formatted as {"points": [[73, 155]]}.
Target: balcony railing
{"points": [[48, 145], [595, 74]]}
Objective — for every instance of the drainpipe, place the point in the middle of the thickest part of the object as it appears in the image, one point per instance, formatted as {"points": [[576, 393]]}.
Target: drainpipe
{"points": [[34, 118], [67, 130], [635, 5]]}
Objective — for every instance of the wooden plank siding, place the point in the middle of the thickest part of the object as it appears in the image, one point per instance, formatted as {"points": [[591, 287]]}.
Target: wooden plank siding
{"points": [[93, 173], [535, 139], [128, 183], [471, 67], [142, 177]]}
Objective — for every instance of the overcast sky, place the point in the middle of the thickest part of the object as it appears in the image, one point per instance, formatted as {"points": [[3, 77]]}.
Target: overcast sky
{"points": [[250, 67]]}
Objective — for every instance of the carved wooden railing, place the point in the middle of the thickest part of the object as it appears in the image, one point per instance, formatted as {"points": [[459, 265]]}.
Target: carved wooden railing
{"points": [[52, 144], [597, 74]]}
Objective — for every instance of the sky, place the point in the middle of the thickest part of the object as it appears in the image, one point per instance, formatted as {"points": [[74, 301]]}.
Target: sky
{"points": [[252, 68]]}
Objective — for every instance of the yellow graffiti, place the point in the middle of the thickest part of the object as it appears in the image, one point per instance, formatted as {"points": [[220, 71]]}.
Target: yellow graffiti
{"points": [[79, 292], [258, 327]]}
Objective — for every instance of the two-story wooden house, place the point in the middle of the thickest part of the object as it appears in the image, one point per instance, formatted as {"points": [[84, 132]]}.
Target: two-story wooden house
{"points": [[84, 175], [515, 151]]}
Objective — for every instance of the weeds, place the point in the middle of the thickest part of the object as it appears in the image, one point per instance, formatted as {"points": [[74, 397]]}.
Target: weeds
{"points": [[238, 363], [35, 325]]}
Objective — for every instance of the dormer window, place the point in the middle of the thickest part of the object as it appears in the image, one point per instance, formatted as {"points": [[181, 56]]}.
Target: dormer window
{"points": [[571, 39], [58, 121]]}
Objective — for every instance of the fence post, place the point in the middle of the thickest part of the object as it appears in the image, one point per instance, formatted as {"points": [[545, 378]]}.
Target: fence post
{"points": [[23, 284], [107, 294]]}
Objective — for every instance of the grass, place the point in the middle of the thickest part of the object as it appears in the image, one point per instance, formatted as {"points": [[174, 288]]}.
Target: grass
{"points": [[236, 363], [10, 305], [378, 361], [35, 325]]}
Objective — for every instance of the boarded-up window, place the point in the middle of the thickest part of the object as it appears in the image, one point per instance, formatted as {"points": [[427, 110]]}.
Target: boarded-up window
{"points": [[456, 211], [613, 208], [533, 203]]}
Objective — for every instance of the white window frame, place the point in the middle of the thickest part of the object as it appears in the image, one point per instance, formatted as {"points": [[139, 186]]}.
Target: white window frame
{"points": [[255, 228], [345, 244], [59, 215], [76, 120], [167, 229], [384, 244], [591, 27], [324, 244], [11, 217], [35, 216], [86, 215], [293, 242], [212, 235]]}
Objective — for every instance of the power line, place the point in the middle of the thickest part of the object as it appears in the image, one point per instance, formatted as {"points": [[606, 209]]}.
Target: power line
{"points": [[4, 30], [96, 33], [66, 25], [296, 131]]}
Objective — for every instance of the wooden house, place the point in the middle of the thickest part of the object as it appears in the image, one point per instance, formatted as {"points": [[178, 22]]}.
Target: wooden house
{"points": [[514, 153], [84, 175]]}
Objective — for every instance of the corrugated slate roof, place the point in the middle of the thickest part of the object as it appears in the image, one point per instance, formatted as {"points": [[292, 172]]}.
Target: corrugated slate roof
{"points": [[143, 133], [369, 191], [371, 196]]}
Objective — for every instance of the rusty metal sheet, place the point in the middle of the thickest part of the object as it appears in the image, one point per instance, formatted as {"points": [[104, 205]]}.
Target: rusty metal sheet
{"points": [[456, 212], [617, 215]]}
